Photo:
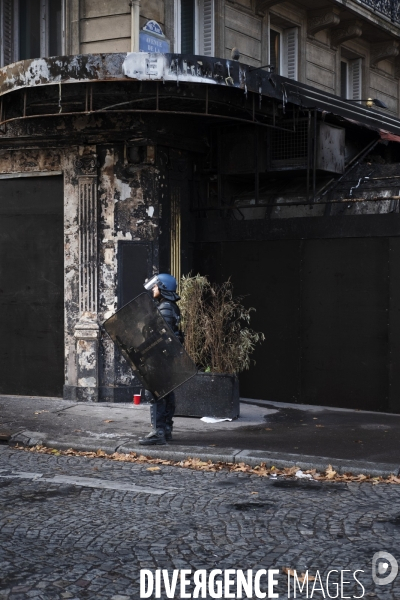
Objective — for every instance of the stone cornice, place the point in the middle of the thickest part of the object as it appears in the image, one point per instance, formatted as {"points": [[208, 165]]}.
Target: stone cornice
{"points": [[263, 5], [319, 20], [353, 29], [382, 50]]}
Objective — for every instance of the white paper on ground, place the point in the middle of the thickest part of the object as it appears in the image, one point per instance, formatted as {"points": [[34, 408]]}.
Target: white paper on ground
{"points": [[300, 475], [213, 420]]}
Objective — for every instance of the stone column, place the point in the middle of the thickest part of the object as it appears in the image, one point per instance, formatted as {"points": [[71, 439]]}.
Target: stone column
{"points": [[87, 328]]}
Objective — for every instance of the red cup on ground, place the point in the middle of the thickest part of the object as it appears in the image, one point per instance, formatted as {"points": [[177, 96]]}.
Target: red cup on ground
{"points": [[136, 399]]}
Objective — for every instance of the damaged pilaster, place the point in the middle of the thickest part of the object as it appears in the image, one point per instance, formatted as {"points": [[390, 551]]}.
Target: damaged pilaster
{"points": [[87, 350], [87, 328]]}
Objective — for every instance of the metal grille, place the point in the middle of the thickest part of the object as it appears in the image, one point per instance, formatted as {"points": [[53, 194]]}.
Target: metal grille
{"points": [[289, 150], [389, 8]]}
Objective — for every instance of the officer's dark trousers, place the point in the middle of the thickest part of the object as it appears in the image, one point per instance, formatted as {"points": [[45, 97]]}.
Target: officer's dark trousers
{"points": [[164, 411]]}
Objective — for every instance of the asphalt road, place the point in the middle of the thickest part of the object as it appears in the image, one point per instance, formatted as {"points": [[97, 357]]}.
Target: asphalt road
{"points": [[80, 528]]}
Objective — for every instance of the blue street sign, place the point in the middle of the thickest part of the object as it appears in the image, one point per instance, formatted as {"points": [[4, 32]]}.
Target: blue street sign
{"points": [[153, 27], [152, 43], [152, 39]]}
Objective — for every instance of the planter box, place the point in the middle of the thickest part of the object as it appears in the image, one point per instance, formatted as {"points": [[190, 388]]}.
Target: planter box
{"points": [[208, 395]]}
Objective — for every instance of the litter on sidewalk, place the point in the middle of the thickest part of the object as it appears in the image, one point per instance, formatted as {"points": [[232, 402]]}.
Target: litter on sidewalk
{"points": [[213, 419], [300, 475]]}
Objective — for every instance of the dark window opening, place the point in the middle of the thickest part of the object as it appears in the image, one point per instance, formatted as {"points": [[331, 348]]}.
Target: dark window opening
{"points": [[29, 29], [275, 50], [187, 26], [343, 79], [55, 28]]}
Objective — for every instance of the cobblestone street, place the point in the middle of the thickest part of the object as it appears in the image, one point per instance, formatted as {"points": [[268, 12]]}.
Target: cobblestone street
{"points": [[79, 528]]}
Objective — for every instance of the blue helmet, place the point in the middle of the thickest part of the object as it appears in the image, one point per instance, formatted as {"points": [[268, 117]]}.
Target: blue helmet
{"points": [[164, 282]]}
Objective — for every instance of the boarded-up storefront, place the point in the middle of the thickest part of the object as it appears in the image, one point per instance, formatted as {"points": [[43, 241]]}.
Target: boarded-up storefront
{"points": [[31, 285]]}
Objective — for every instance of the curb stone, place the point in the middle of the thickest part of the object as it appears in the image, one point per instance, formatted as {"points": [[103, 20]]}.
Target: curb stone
{"points": [[229, 455]]}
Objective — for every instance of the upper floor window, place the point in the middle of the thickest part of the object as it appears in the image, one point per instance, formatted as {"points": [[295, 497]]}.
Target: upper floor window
{"points": [[350, 78], [30, 29], [194, 27], [284, 51]]}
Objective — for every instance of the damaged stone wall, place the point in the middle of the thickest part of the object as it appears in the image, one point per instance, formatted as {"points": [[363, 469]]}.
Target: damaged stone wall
{"points": [[128, 200], [106, 199]]}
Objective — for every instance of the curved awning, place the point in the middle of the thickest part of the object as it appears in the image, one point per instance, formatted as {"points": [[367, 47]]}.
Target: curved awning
{"points": [[223, 78]]}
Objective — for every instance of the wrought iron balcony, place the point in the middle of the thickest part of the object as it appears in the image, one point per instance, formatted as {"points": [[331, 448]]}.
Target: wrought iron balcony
{"points": [[389, 8]]}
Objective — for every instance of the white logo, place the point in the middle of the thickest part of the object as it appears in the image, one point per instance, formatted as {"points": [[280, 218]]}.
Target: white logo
{"points": [[381, 561]]}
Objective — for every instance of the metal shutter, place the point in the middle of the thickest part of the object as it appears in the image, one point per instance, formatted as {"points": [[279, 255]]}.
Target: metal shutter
{"points": [[355, 79], [291, 53], [6, 32], [206, 9]]}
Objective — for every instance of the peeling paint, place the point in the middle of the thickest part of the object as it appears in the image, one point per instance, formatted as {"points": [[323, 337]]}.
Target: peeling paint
{"points": [[87, 382]]}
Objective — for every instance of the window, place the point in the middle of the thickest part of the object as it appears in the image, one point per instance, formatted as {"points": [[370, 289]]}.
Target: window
{"points": [[344, 78], [275, 50], [194, 27], [30, 29], [283, 51], [350, 78]]}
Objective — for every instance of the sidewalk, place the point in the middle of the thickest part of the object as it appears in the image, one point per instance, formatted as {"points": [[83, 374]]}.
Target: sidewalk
{"points": [[275, 433]]}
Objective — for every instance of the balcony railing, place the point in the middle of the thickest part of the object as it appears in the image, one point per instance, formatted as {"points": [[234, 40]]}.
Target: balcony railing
{"points": [[389, 8]]}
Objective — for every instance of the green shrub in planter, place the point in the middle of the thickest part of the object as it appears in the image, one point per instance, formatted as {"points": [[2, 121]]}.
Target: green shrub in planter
{"points": [[219, 340]]}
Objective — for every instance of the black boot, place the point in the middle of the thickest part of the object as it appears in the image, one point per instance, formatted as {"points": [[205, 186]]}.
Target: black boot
{"points": [[156, 437], [168, 432]]}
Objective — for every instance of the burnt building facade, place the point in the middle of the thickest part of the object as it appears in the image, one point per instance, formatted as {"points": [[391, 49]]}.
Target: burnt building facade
{"points": [[116, 164]]}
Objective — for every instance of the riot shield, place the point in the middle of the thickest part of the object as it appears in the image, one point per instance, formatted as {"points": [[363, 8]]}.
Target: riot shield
{"points": [[155, 354]]}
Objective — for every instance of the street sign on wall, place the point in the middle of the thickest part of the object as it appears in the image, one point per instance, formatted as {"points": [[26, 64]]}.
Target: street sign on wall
{"points": [[152, 39]]}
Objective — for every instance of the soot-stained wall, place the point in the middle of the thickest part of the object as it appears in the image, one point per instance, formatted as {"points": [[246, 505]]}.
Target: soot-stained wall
{"points": [[108, 199], [128, 201]]}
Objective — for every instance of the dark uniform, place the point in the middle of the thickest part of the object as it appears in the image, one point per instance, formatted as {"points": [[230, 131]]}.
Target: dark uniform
{"points": [[162, 410], [165, 408]]}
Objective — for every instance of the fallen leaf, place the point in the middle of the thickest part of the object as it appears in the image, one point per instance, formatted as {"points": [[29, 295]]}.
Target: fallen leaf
{"points": [[108, 421], [268, 429], [253, 492], [196, 464], [330, 473], [153, 469]]}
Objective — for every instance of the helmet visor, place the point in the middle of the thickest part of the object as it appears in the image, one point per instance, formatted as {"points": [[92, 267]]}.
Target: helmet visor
{"points": [[150, 283]]}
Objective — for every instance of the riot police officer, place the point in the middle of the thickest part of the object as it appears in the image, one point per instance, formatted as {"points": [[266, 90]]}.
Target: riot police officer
{"points": [[163, 287]]}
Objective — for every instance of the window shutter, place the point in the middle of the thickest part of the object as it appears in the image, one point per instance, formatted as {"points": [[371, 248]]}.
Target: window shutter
{"points": [[206, 9], [6, 32], [291, 53], [355, 79]]}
